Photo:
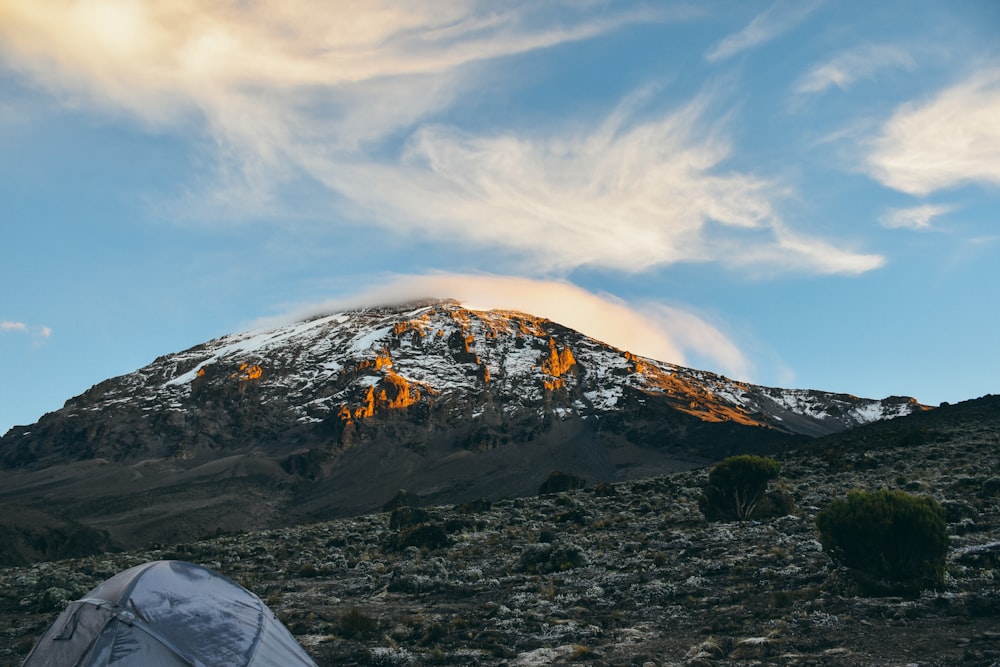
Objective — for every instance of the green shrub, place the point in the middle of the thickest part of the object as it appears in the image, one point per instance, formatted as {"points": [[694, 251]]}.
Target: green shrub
{"points": [[308, 570], [736, 485], [544, 558], [422, 536], [407, 516], [559, 481], [774, 504], [893, 542], [355, 624]]}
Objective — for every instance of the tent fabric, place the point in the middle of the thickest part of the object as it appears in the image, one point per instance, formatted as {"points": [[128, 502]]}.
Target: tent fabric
{"points": [[168, 613]]}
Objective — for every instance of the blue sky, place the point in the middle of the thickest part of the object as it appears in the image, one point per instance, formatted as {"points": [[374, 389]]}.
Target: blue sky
{"points": [[800, 194]]}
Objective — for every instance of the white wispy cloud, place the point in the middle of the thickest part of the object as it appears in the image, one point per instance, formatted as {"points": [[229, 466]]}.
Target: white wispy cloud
{"points": [[313, 89], [625, 195], [847, 67], [37, 332], [629, 197], [792, 251], [278, 85], [950, 140], [914, 217], [779, 18], [161, 61], [13, 326], [664, 332]]}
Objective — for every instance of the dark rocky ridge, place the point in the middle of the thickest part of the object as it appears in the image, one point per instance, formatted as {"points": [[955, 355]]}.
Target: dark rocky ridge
{"points": [[30, 535], [622, 574], [330, 417]]}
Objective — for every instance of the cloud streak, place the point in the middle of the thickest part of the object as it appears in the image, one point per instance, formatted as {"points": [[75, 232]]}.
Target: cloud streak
{"points": [[279, 86], [844, 69], [777, 19], [666, 333], [792, 251], [915, 217], [134, 53], [624, 195], [316, 92], [38, 333], [951, 140], [13, 326], [254, 71]]}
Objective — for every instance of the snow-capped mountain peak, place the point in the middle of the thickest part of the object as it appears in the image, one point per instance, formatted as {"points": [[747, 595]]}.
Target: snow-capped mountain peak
{"points": [[331, 372], [333, 415]]}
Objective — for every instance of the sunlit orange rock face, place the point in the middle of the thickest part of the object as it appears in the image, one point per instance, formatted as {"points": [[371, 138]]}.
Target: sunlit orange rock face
{"points": [[690, 397], [557, 363], [476, 333], [635, 363], [417, 325], [392, 392], [380, 361], [245, 372], [251, 372]]}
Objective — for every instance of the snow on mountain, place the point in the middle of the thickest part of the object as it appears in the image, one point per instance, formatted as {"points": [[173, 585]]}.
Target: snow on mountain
{"points": [[334, 415], [348, 366]]}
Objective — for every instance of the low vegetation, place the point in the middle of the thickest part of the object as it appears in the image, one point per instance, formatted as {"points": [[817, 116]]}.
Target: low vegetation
{"points": [[736, 485], [629, 573], [892, 541]]}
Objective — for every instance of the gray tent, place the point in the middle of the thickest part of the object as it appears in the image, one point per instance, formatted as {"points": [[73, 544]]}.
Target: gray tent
{"points": [[167, 613]]}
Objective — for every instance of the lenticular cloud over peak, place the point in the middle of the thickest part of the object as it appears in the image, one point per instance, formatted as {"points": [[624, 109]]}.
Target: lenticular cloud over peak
{"points": [[666, 333]]}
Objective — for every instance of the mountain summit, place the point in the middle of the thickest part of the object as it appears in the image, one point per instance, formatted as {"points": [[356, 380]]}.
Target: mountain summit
{"points": [[335, 414]]}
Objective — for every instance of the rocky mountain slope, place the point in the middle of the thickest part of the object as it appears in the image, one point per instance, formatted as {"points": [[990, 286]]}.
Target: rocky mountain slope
{"points": [[331, 416], [617, 574]]}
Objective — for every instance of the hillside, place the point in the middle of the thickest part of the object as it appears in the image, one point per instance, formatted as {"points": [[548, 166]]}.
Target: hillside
{"points": [[331, 416], [628, 573]]}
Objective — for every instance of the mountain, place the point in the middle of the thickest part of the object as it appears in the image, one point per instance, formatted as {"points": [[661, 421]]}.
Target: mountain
{"points": [[332, 416]]}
